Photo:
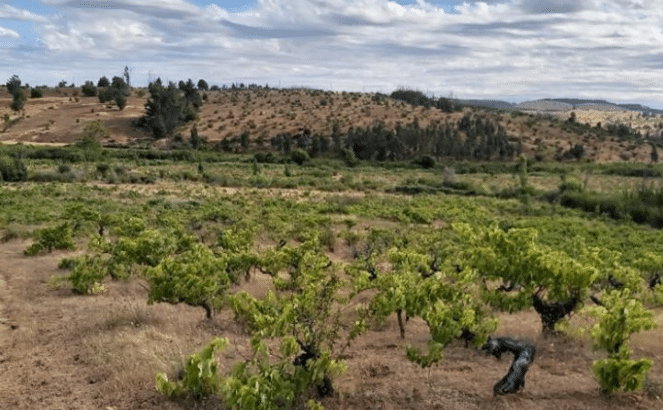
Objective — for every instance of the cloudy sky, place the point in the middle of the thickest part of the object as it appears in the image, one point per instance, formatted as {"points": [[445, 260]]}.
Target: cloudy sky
{"points": [[514, 50]]}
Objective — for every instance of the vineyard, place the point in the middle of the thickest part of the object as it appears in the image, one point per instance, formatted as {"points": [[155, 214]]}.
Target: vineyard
{"points": [[130, 280]]}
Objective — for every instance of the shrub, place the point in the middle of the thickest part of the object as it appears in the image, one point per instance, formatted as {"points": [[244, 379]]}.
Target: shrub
{"points": [[299, 156], [19, 101], [36, 93], [103, 168], [120, 100], [196, 277], [87, 275], [349, 158], [12, 170], [426, 162], [105, 95], [200, 377], [620, 316], [103, 82], [47, 239], [88, 89]]}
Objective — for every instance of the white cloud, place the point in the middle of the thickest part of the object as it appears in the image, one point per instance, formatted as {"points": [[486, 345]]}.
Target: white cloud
{"points": [[8, 12], [508, 48], [5, 32]]}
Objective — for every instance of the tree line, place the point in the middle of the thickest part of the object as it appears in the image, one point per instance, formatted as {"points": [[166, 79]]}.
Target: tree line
{"points": [[472, 137]]}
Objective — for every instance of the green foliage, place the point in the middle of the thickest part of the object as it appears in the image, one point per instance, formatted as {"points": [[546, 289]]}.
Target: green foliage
{"points": [[349, 157], [116, 91], [120, 100], [88, 89], [13, 84], [36, 93], [201, 378], [426, 162], [12, 169], [105, 95], [620, 316], [103, 82], [89, 143], [515, 257], [522, 172], [196, 141], [47, 239], [303, 311], [191, 95], [621, 374], [446, 300], [87, 274], [262, 384], [196, 277], [165, 110], [299, 156], [144, 248], [18, 100]]}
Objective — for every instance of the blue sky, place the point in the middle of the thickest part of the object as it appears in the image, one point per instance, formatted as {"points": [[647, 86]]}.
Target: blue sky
{"points": [[503, 49]]}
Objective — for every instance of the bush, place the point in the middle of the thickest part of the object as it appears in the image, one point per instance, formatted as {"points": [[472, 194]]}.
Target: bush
{"points": [[200, 379], [36, 93], [120, 100], [117, 92], [103, 168], [426, 162], [88, 273], [47, 239], [620, 316], [196, 277], [264, 158], [18, 101], [12, 170], [103, 82], [349, 158], [299, 156], [105, 95], [88, 89]]}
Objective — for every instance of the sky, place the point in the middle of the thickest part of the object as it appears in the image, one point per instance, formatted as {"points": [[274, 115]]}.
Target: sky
{"points": [[514, 50]]}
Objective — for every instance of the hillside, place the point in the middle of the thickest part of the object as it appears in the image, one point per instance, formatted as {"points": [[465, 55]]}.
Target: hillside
{"points": [[262, 114]]}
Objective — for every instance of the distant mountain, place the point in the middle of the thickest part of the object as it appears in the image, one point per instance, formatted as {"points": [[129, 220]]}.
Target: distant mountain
{"points": [[579, 101], [643, 109], [544, 105], [497, 104], [561, 104], [602, 104]]}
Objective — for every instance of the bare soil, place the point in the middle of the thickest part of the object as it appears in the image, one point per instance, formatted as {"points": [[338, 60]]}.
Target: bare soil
{"points": [[63, 351]]}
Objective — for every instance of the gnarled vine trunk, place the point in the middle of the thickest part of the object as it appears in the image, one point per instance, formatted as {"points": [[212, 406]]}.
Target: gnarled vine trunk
{"points": [[523, 355]]}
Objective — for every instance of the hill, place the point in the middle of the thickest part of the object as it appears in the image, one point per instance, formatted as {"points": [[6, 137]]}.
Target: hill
{"points": [[260, 115]]}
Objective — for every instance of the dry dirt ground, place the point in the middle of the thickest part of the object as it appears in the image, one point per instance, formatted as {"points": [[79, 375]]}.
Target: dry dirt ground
{"points": [[59, 118], [63, 351]]}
